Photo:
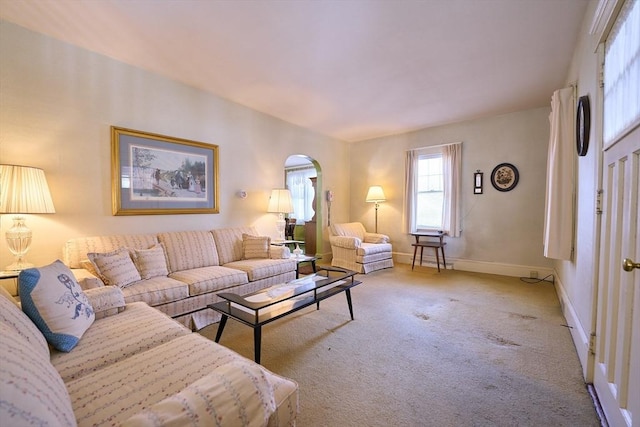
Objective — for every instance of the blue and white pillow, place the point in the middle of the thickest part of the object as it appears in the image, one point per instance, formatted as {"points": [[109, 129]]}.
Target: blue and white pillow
{"points": [[54, 301]]}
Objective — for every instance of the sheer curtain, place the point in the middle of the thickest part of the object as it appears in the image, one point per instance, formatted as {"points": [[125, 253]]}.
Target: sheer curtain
{"points": [[452, 160], [558, 219], [410, 178], [299, 185]]}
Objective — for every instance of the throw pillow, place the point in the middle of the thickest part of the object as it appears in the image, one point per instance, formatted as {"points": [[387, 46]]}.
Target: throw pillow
{"points": [[255, 246], [151, 262], [115, 268], [53, 300]]}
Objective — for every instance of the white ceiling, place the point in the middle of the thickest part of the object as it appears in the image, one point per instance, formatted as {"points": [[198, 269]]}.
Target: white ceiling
{"points": [[351, 69]]}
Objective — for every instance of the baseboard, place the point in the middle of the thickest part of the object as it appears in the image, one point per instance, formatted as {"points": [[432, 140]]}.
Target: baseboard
{"points": [[579, 336]]}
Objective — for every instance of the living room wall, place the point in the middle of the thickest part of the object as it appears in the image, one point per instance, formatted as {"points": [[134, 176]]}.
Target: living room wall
{"points": [[57, 103], [501, 231]]}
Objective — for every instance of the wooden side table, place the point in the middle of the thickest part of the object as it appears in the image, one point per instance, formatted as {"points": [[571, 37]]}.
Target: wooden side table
{"points": [[433, 240]]}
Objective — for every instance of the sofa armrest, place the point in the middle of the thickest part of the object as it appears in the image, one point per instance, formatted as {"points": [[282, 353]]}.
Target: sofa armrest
{"points": [[345, 242], [376, 238], [106, 300], [279, 252]]}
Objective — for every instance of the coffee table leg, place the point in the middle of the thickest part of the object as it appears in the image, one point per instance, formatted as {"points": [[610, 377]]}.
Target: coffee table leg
{"points": [[348, 293], [221, 326], [257, 340]]}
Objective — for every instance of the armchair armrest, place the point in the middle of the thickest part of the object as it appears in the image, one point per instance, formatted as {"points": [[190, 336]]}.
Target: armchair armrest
{"points": [[105, 300], [345, 242], [376, 238]]}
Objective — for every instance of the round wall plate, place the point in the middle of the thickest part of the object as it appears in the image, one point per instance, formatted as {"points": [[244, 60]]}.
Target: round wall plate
{"points": [[504, 177]]}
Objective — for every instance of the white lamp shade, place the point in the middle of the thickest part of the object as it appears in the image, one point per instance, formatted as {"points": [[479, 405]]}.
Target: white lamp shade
{"points": [[375, 194], [280, 201], [24, 190]]}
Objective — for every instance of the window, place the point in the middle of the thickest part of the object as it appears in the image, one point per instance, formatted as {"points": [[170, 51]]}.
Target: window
{"points": [[433, 189], [430, 194], [622, 73]]}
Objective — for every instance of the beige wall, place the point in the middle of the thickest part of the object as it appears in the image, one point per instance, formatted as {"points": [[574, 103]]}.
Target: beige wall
{"points": [[57, 103], [502, 231]]}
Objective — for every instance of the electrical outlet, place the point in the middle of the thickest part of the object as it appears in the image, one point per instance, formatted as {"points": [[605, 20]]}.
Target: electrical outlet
{"points": [[533, 274]]}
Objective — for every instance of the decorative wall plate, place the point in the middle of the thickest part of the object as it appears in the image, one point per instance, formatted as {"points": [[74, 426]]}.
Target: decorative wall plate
{"points": [[504, 177], [583, 125]]}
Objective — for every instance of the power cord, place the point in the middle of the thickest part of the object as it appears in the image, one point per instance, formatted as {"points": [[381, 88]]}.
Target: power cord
{"points": [[534, 281]]}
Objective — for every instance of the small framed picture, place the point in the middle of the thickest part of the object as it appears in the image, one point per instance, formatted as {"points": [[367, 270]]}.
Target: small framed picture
{"points": [[504, 177], [477, 182]]}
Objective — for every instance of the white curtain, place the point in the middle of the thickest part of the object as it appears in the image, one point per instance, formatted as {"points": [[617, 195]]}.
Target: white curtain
{"points": [[559, 199], [411, 169], [452, 160]]}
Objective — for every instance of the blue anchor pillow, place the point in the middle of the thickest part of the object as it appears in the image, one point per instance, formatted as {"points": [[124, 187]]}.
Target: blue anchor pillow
{"points": [[54, 301]]}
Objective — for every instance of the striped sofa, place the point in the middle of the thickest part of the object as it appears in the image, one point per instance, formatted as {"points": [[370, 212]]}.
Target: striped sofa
{"points": [[198, 265], [133, 366]]}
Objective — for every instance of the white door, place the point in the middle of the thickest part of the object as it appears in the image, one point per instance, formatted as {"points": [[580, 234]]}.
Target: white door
{"points": [[617, 350]]}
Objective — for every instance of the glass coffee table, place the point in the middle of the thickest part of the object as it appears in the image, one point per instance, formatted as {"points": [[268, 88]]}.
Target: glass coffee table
{"points": [[265, 306]]}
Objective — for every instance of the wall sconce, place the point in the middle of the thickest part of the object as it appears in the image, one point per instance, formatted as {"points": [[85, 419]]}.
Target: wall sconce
{"points": [[477, 182], [375, 195], [23, 190]]}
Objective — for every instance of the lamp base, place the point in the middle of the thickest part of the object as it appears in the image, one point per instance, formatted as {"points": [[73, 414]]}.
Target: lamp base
{"points": [[19, 240], [19, 265]]}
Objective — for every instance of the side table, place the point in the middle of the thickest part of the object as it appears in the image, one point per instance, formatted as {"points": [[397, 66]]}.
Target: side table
{"points": [[434, 240], [304, 258]]}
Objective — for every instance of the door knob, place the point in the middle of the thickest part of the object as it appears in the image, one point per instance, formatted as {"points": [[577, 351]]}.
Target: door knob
{"points": [[628, 265]]}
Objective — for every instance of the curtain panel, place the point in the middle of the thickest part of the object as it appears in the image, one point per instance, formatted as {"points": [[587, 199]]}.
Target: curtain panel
{"points": [[559, 197]]}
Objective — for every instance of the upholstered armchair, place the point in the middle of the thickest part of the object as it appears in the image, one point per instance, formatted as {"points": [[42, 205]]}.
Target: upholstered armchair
{"points": [[355, 249]]}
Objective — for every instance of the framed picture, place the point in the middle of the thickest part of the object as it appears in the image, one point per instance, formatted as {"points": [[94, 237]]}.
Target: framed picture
{"points": [[504, 177], [159, 175]]}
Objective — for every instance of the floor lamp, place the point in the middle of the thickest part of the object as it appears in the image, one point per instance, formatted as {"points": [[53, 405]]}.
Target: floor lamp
{"points": [[23, 190], [376, 195]]}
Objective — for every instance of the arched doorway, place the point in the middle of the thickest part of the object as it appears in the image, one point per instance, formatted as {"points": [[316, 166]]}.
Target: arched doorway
{"points": [[303, 177]]}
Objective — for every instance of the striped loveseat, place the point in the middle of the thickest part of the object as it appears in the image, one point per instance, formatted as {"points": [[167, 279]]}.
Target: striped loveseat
{"points": [[181, 272], [133, 366]]}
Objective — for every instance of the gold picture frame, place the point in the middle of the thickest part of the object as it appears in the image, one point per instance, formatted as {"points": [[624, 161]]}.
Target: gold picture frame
{"points": [[162, 175]]}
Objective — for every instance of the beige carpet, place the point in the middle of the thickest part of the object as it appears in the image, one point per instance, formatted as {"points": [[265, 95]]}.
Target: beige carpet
{"points": [[428, 349]]}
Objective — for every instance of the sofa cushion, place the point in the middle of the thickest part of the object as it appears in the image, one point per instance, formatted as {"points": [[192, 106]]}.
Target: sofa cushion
{"points": [[257, 269], [12, 315], [210, 279], [115, 268], [151, 262], [229, 242], [186, 250], [54, 301], [237, 393], [146, 378], [255, 246], [137, 328], [31, 390], [156, 291], [75, 250]]}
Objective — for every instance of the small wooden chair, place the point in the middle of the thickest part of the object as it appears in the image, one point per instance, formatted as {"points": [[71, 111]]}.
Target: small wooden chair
{"points": [[289, 228]]}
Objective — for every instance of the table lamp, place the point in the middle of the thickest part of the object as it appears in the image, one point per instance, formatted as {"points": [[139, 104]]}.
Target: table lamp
{"points": [[375, 195], [280, 203], [23, 190]]}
